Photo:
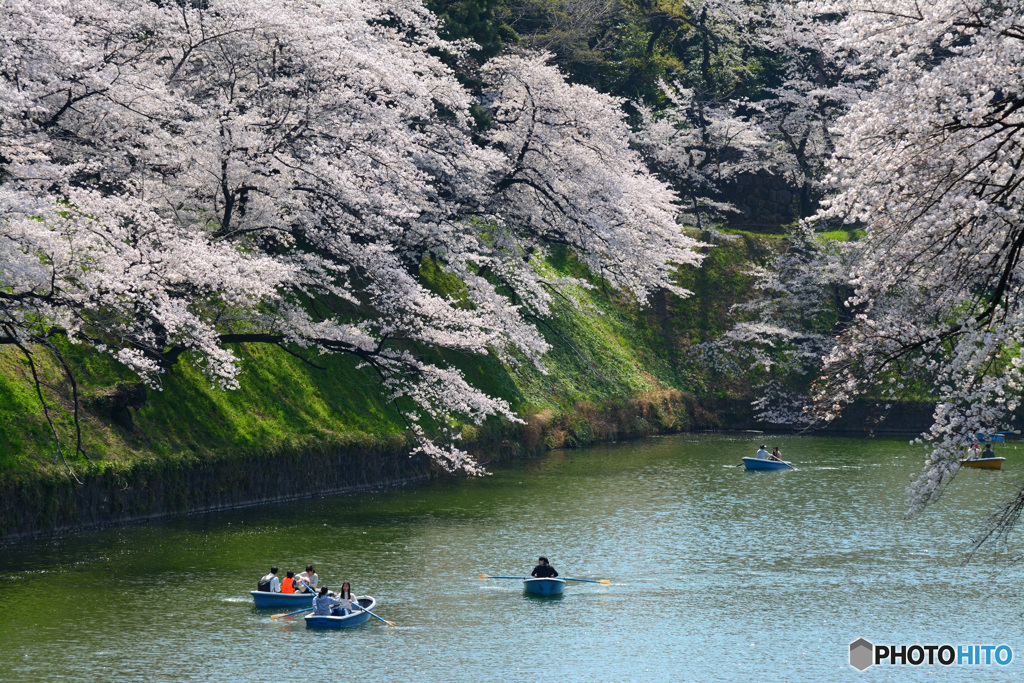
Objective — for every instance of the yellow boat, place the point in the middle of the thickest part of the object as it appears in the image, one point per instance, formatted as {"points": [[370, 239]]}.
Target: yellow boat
{"points": [[983, 463]]}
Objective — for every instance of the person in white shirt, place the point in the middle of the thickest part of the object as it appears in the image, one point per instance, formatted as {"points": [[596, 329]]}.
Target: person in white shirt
{"points": [[763, 453], [270, 583], [308, 577], [346, 603]]}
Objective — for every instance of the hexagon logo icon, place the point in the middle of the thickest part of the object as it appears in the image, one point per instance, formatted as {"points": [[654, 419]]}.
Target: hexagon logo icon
{"points": [[862, 654]]}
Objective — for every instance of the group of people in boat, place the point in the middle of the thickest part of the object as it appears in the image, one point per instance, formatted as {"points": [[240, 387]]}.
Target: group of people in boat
{"points": [[985, 454], [325, 602], [304, 582], [763, 454], [328, 603]]}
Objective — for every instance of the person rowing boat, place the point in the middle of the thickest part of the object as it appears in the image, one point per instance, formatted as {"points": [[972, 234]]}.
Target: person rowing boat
{"points": [[324, 604], [308, 579], [543, 570]]}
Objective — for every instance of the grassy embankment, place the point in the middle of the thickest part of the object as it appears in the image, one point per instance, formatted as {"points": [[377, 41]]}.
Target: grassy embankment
{"points": [[613, 371]]}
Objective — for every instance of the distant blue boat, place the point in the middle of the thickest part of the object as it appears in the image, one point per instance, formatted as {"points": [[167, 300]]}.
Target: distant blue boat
{"points": [[755, 464], [265, 600], [544, 586], [357, 617], [990, 438]]}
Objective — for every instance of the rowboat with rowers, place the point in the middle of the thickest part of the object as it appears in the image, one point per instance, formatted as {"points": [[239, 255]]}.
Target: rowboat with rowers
{"points": [[354, 619], [758, 464]]}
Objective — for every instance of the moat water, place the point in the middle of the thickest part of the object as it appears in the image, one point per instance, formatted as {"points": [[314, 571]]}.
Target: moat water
{"points": [[717, 574]]}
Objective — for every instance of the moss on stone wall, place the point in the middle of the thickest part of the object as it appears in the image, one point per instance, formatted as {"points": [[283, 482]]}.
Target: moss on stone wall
{"points": [[613, 372]]}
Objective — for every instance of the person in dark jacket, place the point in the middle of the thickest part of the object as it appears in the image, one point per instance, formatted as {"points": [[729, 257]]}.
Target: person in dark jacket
{"points": [[543, 570]]}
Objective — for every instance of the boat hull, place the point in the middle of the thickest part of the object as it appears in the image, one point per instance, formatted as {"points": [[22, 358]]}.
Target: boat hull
{"points": [[755, 464], [265, 600], [984, 463], [544, 586], [354, 619], [990, 438]]}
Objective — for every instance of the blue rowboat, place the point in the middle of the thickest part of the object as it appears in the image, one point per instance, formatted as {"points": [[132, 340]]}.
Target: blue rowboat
{"points": [[990, 438], [755, 464], [265, 600], [357, 617], [544, 586]]}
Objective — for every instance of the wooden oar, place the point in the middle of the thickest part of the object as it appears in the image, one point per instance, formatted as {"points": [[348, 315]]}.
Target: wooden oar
{"points": [[288, 614], [603, 582], [486, 576], [389, 623]]}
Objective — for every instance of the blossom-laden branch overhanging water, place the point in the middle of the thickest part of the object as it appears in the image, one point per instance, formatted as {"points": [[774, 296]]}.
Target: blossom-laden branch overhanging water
{"points": [[930, 160], [177, 177]]}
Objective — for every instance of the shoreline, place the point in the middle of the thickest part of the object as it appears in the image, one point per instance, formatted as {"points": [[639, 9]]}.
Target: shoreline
{"points": [[47, 505]]}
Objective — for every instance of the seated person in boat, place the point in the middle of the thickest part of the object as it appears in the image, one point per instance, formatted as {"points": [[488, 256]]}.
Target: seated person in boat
{"points": [[324, 603], [346, 603], [288, 585], [988, 453], [270, 583], [762, 453], [776, 455], [307, 580], [543, 570]]}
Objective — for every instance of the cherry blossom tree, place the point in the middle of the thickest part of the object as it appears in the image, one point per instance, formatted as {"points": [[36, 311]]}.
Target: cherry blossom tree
{"points": [[930, 160], [783, 333], [178, 177], [817, 85], [789, 62], [703, 146]]}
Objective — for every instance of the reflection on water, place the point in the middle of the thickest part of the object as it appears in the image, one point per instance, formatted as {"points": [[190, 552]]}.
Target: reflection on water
{"points": [[717, 574]]}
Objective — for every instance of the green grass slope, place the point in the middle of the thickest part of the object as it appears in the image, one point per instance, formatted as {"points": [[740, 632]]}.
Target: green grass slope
{"points": [[606, 355]]}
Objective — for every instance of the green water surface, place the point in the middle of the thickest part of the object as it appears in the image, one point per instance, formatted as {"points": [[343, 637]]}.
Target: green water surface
{"points": [[717, 575]]}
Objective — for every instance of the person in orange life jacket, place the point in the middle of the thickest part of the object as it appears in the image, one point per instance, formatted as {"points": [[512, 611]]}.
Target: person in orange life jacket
{"points": [[543, 570], [270, 583], [288, 585]]}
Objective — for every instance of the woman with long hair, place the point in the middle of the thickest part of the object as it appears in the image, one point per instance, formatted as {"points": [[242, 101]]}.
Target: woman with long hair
{"points": [[347, 602]]}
